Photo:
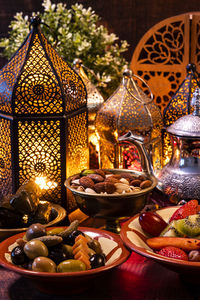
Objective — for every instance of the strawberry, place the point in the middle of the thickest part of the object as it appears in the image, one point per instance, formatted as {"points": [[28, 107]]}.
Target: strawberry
{"points": [[173, 252], [189, 208]]}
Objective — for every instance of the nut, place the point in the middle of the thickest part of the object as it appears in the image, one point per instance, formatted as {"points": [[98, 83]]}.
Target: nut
{"points": [[80, 188], [128, 176], [90, 191], [142, 177], [86, 172], [76, 177], [124, 180], [75, 182], [96, 177], [122, 188], [136, 182], [145, 184], [104, 187], [111, 179], [86, 182], [100, 172]]}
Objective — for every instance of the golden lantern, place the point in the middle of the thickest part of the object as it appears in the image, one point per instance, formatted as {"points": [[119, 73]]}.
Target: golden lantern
{"points": [[94, 101], [129, 108], [179, 105], [43, 119]]}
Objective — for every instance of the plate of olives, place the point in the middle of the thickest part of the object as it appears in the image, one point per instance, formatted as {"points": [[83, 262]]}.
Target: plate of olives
{"points": [[61, 260]]}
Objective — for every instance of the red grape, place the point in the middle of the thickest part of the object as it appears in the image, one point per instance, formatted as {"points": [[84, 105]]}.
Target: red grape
{"points": [[152, 223]]}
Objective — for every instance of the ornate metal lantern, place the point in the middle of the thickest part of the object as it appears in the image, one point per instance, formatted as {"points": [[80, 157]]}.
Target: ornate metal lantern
{"points": [[128, 108], [179, 105], [94, 101], [43, 119]]}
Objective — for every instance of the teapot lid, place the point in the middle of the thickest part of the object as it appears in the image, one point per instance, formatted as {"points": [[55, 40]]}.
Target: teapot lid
{"points": [[189, 125]]}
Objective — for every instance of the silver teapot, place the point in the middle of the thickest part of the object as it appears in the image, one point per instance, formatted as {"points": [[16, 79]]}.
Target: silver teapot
{"points": [[181, 176]]}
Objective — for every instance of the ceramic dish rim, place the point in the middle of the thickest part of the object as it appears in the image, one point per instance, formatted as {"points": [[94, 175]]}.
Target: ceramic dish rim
{"points": [[152, 255], [28, 273]]}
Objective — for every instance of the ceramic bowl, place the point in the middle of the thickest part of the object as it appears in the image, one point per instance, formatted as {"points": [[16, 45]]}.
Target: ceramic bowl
{"points": [[71, 282], [111, 205], [134, 237], [58, 213]]}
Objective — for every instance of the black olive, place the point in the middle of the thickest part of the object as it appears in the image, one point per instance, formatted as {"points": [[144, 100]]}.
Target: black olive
{"points": [[18, 256], [70, 239], [97, 260], [57, 254]]}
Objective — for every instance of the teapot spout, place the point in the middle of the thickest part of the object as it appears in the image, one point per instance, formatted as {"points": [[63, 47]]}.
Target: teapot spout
{"points": [[138, 141]]}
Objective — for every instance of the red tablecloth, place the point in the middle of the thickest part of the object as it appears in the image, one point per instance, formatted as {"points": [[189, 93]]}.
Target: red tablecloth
{"points": [[137, 279]]}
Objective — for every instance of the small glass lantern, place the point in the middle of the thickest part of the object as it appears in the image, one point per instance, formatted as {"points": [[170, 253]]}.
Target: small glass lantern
{"points": [[43, 120], [94, 101], [129, 108], [179, 105]]}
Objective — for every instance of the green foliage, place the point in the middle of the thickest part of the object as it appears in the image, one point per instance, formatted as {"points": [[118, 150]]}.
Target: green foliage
{"points": [[75, 32]]}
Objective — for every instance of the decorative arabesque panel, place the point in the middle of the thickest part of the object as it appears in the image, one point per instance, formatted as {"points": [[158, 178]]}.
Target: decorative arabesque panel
{"points": [[162, 55], [42, 138], [5, 157]]}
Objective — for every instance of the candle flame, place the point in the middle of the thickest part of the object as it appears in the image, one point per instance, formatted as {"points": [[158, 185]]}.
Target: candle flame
{"points": [[45, 184]]}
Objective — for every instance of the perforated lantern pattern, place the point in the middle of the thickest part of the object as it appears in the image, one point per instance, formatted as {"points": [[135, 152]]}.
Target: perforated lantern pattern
{"points": [[5, 157], [41, 99], [128, 108], [94, 101], [179, 106]]}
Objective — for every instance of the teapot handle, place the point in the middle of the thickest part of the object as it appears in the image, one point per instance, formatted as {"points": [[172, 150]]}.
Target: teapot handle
{"points": [[138, 141]]}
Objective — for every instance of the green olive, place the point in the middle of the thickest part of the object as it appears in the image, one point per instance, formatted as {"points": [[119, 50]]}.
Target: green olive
{"points": [[43, 264], [35, 230], [55, 231], [95, 245], [71, 265], [91, 252], [35, 248], [68, 251]]}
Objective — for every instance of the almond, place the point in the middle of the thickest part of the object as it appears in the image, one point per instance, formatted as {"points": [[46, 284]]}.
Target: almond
{"points": [[104, 187], [128, 176], [96, 177], [111, 179], [145, 184], [142, 177], [86, 182], [136, 182], [100, 172]]}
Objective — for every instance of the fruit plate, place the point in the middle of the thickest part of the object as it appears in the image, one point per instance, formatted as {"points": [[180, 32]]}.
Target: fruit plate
{"points": [[134, 238], [71, 282]]}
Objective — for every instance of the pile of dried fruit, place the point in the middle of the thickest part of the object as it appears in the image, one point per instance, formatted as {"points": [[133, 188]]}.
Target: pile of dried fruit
{"points": [[180, 237], [105, 182]]}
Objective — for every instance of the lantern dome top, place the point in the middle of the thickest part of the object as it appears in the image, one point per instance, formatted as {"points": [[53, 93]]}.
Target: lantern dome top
{"points": [[189, 125], [37, 81], [129, 108], [180, 103]]}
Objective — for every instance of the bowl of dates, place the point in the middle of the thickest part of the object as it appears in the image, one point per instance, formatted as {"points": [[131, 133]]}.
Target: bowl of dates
{"points": [[24, 208], [170, 236], [62, 260]]}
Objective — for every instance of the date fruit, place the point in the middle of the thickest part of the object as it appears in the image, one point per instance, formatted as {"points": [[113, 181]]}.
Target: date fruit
{"points": [[152, 223]]}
